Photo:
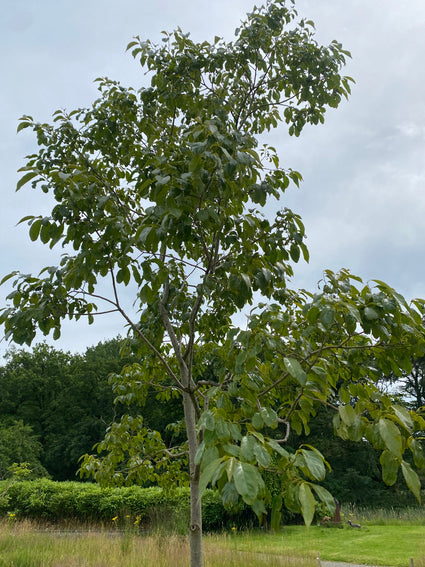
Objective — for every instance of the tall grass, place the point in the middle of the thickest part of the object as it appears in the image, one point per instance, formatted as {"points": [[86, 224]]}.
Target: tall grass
{"points": [[385, 516], [386, 538], [27, 545]]}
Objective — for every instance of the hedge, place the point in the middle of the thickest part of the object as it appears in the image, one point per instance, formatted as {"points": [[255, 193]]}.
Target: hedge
{"points": [[52, 501]]}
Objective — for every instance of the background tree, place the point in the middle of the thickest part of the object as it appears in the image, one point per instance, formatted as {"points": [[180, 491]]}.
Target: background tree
{"points": [[408, 383], [162, 188], [19, 446], [64, 399]]}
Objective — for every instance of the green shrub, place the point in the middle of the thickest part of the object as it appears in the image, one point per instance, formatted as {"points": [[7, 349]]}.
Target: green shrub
{"points": [[85, 502], [148, 508]]}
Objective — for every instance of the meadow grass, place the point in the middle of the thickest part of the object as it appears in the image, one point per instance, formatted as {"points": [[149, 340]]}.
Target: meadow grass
{"points": [[25, 544], [385, 516]]}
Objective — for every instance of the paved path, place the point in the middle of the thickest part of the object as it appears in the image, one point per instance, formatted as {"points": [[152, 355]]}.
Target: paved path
{"points": [[340, 564]]}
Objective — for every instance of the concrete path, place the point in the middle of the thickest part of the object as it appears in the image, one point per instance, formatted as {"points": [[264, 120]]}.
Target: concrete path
{"points": [[324, 563]]}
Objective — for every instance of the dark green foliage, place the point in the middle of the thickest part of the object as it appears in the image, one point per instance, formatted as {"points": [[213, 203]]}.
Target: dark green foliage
{"points": [[64, 404], [85, 502], [66, 400], [356, 475], [19, 445]]}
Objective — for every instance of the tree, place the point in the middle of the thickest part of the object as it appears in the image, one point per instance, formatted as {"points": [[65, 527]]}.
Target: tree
{"points": [[409, 382], [36, 386], [19, 448], [161, 190]]}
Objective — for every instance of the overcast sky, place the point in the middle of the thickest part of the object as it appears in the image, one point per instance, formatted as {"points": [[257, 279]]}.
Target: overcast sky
{"points": [[363, 195]]}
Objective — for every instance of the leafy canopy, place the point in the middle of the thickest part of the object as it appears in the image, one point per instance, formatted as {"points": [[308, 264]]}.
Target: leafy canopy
{"points": [[162, 191]]}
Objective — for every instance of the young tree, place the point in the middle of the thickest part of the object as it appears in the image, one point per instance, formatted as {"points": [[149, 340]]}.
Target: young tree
{"points": [[160, 190]]}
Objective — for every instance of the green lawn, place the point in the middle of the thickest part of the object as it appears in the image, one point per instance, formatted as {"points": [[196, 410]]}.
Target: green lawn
{"points": [[379, 545]]}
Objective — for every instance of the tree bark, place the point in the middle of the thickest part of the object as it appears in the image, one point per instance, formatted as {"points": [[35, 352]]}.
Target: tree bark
{"points": [[195, 530]]}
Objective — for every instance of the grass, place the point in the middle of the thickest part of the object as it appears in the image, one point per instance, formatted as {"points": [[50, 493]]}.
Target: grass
{"points": [[24, 544], [377, 545], [385, 516]]}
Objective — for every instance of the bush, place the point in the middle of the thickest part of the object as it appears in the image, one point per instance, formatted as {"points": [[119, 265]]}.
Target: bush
{"points": [[48, 500], [148, 508]]}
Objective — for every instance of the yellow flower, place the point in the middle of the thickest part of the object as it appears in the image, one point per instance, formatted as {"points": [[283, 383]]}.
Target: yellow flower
{"points": [[115, 519]]}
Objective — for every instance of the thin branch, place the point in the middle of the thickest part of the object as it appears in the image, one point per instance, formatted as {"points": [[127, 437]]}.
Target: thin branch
{"points": [[272, 386], [207, 383], [294, 404], [103, 312], [141, 335], [288, 431]]}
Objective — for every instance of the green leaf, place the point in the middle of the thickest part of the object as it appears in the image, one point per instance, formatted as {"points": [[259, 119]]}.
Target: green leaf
{"points": [[418, 453], [24, 179], [259, 508], [269, 416], [326, 497], [314, 464], [347, 413], [390, 466], [35, 229], [278, 448], [45, 233], [327, 316], [391, 436], [231, 449], [262, 455], [123, 275], [412, 480], [404, 416], [8, 276], [276, 512], [23, 124], [294, 251], [370, 314], [208, 474], [199, 453], [295, 370], [247, 448], [229, 495], [308, 503], [208, 420], [257, 421], [248, 481]]}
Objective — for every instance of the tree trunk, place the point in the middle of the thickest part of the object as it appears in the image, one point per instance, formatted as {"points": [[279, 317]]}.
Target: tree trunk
{"points": [[195, 530], [195, 534]]}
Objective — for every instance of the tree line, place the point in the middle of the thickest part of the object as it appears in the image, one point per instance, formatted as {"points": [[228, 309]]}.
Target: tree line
{"points": [[55, 406]]}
